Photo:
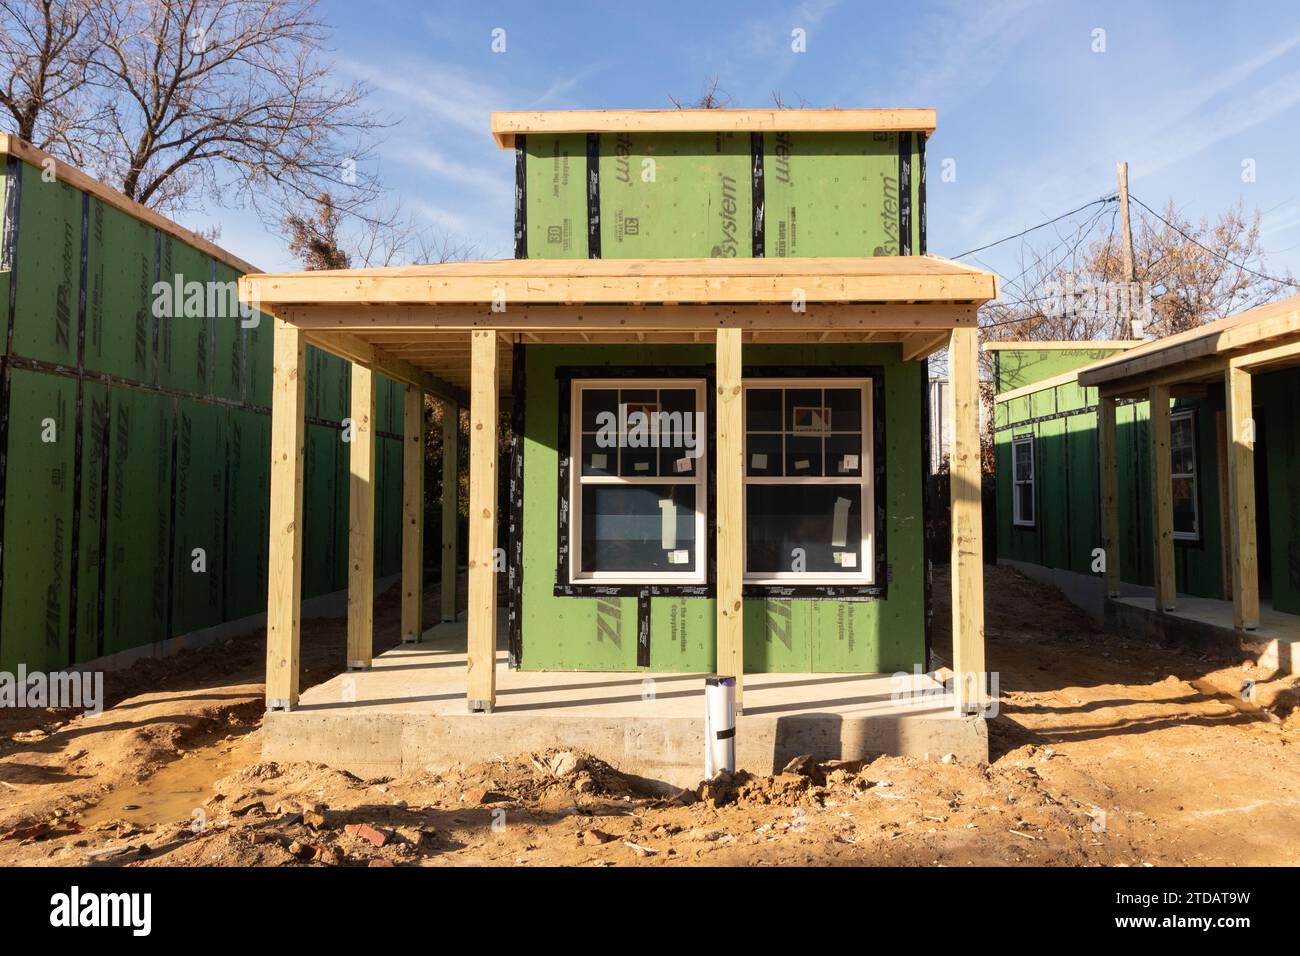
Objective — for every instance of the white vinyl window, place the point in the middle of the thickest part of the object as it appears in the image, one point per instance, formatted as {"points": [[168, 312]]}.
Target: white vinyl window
{"points": [[809, 493], [1022, 464], [1182, 459], [637, 485]]}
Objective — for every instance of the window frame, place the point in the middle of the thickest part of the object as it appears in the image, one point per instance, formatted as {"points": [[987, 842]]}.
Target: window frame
{"points": [[1018, 520], [697, 575], [866, 575], [1195, 474]]}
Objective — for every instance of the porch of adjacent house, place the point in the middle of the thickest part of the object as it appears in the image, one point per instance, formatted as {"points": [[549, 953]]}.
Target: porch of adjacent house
{"points": [[448, 331]]}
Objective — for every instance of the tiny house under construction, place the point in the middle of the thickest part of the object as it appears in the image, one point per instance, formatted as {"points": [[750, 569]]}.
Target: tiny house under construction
{"points": [[712, 346], [1156, 482]]}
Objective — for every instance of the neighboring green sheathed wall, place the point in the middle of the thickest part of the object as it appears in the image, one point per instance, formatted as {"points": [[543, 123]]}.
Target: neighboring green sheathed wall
{"points": [[582, 633], [1017, 368], [1063, 421], [173, 419], [677, 195]]}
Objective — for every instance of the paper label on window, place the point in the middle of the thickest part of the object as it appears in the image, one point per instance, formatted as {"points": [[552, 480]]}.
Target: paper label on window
{"points": [[641, 466], [801, 464], [840, 525], [849, 463], [758, 462], [681, 556], [598, 461], [682, 464], [845, 559], [667, 525]]}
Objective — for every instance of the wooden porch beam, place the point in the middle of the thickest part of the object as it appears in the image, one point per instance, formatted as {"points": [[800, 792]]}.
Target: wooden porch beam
{"points": [[450, 506], [284, 564], [759, 316], [920, 344], [482, 642], [1162, 501], [1241, 499], [413, 515], [729, 543], [1108, 444], [967, 524], [361, 521]]}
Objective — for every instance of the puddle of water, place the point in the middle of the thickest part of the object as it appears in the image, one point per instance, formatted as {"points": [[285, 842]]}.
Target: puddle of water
{"points": [[171, 795]]}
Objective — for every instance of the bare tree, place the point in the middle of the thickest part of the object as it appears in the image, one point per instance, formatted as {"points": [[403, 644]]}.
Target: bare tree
{"points": [[1186, 274], [45, 49], [713, 98], [320, 239], [178, 101]]}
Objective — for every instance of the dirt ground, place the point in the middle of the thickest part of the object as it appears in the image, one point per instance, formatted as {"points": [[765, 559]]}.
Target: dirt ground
{"points": [[1104, 752]]}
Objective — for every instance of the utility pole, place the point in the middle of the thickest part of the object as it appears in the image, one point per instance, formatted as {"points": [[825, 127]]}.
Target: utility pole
{"points": [[1121, 172]]}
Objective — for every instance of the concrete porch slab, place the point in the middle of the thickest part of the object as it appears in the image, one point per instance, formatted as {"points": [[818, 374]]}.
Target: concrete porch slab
{"points": [[409, 713], [1207, 623]]}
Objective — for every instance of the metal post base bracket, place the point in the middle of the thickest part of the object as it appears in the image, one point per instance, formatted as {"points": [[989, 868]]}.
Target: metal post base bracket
{"points": [[358, 666], [278, 704], [480, 706], [410, 638]]}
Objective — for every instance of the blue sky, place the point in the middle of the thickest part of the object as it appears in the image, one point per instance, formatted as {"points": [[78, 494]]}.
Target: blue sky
{"points": [[1032, 118]]}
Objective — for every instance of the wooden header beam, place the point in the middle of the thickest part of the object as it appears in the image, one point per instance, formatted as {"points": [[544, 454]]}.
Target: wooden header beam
{"points": [[373, 357], [510, 283], [610, 318], [507, 125]]}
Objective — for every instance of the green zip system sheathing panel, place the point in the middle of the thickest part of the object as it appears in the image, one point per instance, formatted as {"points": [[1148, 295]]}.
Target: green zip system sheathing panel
{"points": [[686, 195], [827, 193], [681, 195], [557, 196], [562, 632], [1277, 396], [1067, 526], [38, 520], [1016, 368], [158, 443]]}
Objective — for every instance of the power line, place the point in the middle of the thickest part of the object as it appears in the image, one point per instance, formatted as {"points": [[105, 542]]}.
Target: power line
{"points": [[1025, 232], [1217, 255]]}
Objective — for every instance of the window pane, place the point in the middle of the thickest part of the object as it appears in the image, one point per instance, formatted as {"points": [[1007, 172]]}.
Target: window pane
{"points": [[597, 459], [824, 520], [844, 455], [846, 408], [804, 411], [1023, 453], [763, 455], [638, 528], [1184, 506], [1025, 496], [595, 401], [1180, 432], [803, 456], [763, 409], [637, 462]]}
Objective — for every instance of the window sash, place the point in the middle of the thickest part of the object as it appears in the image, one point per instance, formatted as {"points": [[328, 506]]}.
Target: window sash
{"points": [[695, 573], [1018, 444], [864, 573], [1190, 476]]}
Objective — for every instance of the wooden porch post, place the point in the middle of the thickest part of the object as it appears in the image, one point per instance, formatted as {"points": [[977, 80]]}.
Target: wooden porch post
{"points": [[450, 505], [1241, 499], [1107, 440], [1162, 500], [413, 515], [284, 584], [967, 524], [482, 613], [361, 521], [729, 543]]}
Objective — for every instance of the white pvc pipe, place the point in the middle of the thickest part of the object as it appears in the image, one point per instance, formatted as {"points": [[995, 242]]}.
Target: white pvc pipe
{"points": [[719, 726]]}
